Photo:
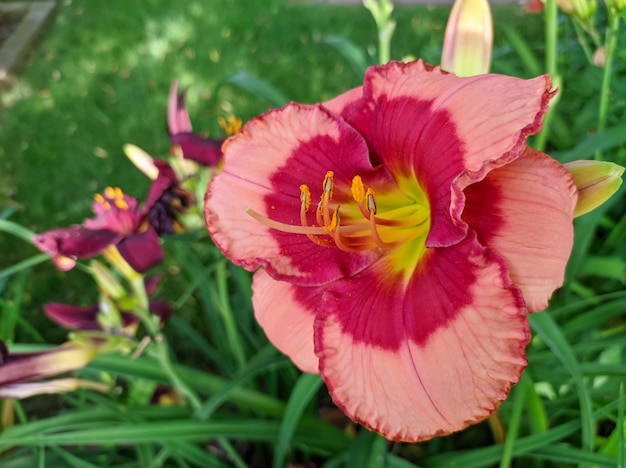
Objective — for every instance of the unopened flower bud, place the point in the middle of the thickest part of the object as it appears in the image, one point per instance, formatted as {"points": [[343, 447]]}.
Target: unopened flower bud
{"points": [[469, 38], [142, 160], [585, 9], [107, 282], [599, 57], [596, 182], [566, 6]]}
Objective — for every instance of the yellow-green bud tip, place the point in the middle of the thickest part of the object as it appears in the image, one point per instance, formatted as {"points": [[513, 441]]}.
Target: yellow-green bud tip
{"points": [[596, 182]]}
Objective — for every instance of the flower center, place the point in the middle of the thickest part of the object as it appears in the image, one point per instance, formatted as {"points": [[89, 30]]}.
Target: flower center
{"points": [[392, 221]]}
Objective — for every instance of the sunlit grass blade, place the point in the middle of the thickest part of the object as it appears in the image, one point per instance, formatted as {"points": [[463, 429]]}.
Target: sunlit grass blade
{"points": [[301, 395], [550, 333], [258, 87]]}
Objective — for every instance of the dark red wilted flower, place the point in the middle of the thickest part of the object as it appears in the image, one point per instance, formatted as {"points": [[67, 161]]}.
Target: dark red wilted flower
{"points": [[205, 151], [87, 317], [119, 221], [166, 200]]}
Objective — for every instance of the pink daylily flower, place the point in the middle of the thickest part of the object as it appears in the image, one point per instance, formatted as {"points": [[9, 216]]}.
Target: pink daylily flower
{"points": [[407, 287], [118, 221]]}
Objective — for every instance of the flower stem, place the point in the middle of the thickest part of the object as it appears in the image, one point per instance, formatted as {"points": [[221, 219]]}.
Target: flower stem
{"points": [[551, 35], [551, 18], [160, 346], [227, 315], [605, 90]]}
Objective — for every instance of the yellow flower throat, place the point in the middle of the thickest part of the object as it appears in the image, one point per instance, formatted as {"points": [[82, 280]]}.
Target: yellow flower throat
{"points": [[356, 225]]}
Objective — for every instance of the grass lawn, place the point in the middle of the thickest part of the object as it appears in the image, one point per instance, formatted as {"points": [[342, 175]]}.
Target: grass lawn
{"points": [[99, 78]]}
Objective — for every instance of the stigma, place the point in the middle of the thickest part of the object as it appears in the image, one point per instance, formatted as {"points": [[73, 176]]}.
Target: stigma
{"points": [[352, 224]]}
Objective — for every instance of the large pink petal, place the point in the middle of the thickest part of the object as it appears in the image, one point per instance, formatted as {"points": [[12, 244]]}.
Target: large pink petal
{"points": [[286, 312], [343, 103], [422, 121], [524, 211], [265, 164], [429, 357]]}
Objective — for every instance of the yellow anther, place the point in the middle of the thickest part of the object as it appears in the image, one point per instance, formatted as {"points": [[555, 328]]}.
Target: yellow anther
{"points": [[305, 196], [230, 126], [328, 184], [358, 190], [121, 203], [371, 202], [334, 222], [109, 193], [98, 198]]}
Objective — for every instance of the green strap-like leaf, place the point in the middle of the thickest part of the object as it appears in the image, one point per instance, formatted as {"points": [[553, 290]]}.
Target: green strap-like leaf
{"points": [[305, 389]]}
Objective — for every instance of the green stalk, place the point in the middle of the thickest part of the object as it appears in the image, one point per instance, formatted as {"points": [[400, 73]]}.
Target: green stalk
{"points": [[227, 315], [160, 347], [605, 90], [582, 40], [551, 20]]}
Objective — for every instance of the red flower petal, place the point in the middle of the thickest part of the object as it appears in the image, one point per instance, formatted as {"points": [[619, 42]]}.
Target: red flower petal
{"points": [[344, 103], [71, 316], [427, 358], [524, 211], [265, 165], [422, 121], [177, 116], [205, 151], [286, 314], [142, 251], [75, 241]]}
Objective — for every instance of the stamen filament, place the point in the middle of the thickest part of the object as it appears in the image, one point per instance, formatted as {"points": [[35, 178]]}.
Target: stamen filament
{"points": [[305, 198], [284, 227], [379, 242], [337, 234]]}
